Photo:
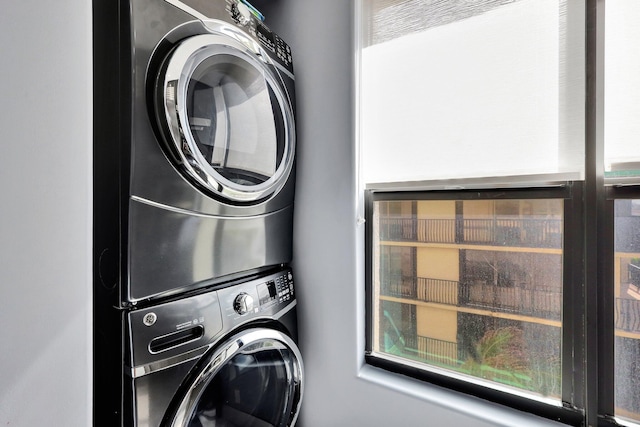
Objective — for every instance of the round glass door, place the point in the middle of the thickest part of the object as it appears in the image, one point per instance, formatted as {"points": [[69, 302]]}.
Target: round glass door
{"points": [[229, 117], [254, 379]]}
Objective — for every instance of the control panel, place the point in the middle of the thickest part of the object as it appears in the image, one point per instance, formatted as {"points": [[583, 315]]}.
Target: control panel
{"points": [[257, 298], [284, 284], [179, 326], [275, 45], [252, 20], [278, 290]]}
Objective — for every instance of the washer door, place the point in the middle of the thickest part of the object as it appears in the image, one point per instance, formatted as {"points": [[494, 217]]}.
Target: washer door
{"points": [[227, 118], [253, 379]]}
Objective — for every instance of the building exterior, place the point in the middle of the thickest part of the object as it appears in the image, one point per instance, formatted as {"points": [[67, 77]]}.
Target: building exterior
{"points": [[627, 307], [476, 287]]}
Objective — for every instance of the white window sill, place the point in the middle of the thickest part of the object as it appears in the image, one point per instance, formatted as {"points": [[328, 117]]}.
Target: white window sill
{"points": [[485, 412]]}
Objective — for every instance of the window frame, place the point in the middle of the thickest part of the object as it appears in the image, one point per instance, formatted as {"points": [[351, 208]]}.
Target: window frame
{"points": [[572, 331]]}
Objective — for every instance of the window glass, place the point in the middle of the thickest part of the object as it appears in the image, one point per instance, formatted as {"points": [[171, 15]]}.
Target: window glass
{"points": [[234, 119], [472, 287], [457, 89], [622, 88], [253, 389], [627, 309]]}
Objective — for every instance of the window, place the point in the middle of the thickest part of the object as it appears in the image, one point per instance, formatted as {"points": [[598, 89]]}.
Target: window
{"points": [[469, 286], [502, 200], [472, 287], [622, 171], [471, 89], [622, 79]]}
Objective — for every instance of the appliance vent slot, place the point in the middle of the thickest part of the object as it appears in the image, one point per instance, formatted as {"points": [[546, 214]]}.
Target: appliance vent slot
{"points": [[175, 339]]}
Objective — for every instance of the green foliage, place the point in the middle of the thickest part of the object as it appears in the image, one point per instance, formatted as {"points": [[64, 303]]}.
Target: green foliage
{"points": [[504, 357]]}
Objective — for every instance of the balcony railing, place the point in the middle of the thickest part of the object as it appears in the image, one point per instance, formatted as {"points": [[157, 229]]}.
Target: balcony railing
{"points": [[400, 286], [528, 232], [628, 314], [435, 230], [523, 232], [540, 302], [438, 351], [415, 230], [420, 288], [437, 290]]}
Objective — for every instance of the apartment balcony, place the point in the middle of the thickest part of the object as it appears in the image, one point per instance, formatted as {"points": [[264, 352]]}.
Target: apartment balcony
{"points": [[539, 302], [400, 286], [518, 232], [439, 352]]}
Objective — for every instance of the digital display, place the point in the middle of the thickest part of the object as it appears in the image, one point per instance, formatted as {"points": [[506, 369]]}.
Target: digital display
{"points": [[266, 37], [267, 292]]}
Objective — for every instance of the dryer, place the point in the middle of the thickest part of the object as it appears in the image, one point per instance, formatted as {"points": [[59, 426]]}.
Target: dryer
{"points": [[225, 357], [194, 146]]}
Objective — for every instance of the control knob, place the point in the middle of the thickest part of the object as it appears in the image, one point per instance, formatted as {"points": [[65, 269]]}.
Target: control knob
{"points": [[244, 14], [243, 303]]}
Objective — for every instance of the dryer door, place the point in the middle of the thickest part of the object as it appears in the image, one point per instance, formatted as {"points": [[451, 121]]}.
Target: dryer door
{"points": [[226, 116], [253, 379]]}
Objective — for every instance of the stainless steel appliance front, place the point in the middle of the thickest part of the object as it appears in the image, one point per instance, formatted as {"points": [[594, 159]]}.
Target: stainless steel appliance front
{"points": [[194, 147], [225, 357]]}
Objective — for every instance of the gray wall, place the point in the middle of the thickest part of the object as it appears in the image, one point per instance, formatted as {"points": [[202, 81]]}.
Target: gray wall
{"points": [[45, 213], [328, 250]]}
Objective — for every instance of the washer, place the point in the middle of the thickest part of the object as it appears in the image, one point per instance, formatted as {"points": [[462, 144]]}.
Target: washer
{"points": [[194, 146], [225, 358]]}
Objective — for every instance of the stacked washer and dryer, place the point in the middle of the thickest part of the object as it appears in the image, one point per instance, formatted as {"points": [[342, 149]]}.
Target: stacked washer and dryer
{"points": [[194, 149]]}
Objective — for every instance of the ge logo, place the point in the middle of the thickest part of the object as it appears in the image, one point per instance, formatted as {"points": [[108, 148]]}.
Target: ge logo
{"points": [[149, 319]]}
